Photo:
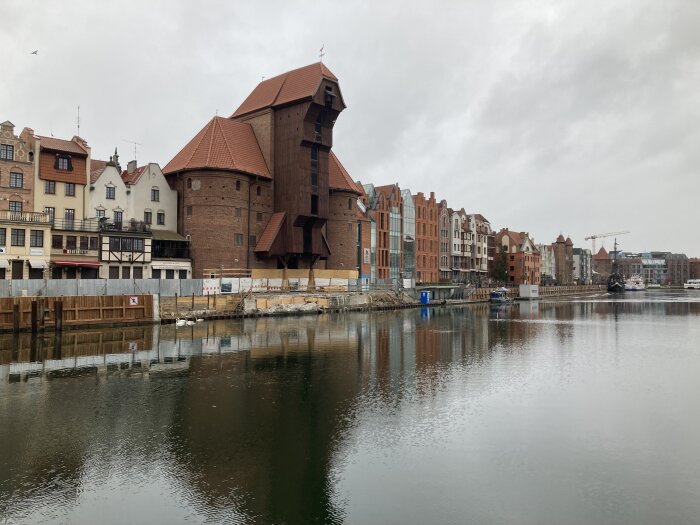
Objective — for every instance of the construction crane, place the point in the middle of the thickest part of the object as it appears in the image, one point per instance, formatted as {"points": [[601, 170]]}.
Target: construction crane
{"points": [[602, 236]]}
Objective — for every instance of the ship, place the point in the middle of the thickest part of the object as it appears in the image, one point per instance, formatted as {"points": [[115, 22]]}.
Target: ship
{"points": [[635, 284], [616, 282]]}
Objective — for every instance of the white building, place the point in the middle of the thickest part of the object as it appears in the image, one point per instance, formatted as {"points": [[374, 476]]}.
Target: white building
{"points": [[547, 264]]}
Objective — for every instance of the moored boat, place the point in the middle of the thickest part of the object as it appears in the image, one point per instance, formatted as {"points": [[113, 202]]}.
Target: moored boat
{"points": [[500, 295], [692, 284], [616, 282], [635, 284]]}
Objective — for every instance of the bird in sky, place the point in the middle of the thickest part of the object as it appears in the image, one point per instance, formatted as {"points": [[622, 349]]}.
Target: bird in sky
{"points": [[35, 52]]}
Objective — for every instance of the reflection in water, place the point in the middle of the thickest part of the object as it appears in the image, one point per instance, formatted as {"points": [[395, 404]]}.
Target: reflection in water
{"points": [[338, 418]]}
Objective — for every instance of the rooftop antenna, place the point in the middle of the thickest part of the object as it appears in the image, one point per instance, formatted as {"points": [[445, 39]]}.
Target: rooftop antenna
{"points": [[321, 53], [78, 119], [135, 144]]}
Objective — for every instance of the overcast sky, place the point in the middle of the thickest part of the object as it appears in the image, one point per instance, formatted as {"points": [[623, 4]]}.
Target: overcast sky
{"points": [[545, 116]]}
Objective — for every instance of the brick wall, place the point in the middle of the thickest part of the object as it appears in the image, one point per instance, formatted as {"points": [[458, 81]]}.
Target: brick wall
{"points": [[341, 231]]}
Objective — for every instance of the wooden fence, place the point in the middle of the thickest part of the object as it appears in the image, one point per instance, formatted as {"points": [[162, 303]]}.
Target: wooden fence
{"points": [[200, 306], [55, 313]]}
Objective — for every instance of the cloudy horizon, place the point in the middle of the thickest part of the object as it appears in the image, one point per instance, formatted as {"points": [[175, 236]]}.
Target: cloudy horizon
{"points": [[547, 117]]}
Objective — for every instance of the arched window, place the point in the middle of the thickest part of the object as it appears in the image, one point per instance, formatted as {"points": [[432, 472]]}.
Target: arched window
{"points": [[189, 184], [238, 185], [349, 204]]}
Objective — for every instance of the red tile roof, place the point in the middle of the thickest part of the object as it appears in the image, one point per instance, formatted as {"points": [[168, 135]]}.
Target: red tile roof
{"points": [[67, 146], [134, 176], [480, 217], [272, 230], [338, 177], [222, 144], [96, 169], [602, 255], [298, 84]]}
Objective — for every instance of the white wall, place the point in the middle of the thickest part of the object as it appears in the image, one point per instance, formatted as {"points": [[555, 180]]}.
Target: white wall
{"points": [[140, 199]]}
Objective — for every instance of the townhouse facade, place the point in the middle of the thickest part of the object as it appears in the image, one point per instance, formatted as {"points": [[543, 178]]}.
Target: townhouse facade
{"points": [[521, 256], [582, 266], [427, 238]]}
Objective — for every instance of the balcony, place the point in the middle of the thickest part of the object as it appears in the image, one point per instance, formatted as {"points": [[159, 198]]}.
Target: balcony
{"points": [[131, 226], [83, 225], [25, 216]]}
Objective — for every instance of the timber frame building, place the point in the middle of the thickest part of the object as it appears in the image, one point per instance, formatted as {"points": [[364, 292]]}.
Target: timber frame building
{"points": [[262, 188]]}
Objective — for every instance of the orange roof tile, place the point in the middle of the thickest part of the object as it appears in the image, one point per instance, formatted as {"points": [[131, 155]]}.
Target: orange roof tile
{"points": [[222, 144], [338, 177], [272, 230], [96, 169], [134, 176], [602, 255], [291, 86], [67, 146]]}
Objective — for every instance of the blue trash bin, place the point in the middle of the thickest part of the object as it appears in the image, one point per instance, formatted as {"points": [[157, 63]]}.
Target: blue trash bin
{"points": [[424, 297]]}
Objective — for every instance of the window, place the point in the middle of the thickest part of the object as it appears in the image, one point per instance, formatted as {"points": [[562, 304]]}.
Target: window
{"points": [[189, 184], [237, 239], [111, 192], [99, 213], [314, 205], [50, 187], [161, 217], [57, 242], [349, 204], [257, 191], [188, 210], [126, 272], [114, 272], [63, 162], [118, 217], [17, 237], [252, 240], [69, 216], [115, 244], [16, 206], [36, 238], [16, 180], [155, 273], [70, 189], [182, 274], [155, 194], [93, 243], [83, 242], [238, 185], [147, 217], [314, 179], [138, 272], [259, 217], [71, 242], [237, 212], [170, 274], [7, 152], [3, 236]]}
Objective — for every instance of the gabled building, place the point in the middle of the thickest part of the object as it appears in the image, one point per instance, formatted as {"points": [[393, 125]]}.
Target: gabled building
{"points": [[460, 246], [255, 188], [564, 257], [24, 233], [522, 256], [384, 208], [482, 247], [409, 235], [427, 238], [601, 266]]}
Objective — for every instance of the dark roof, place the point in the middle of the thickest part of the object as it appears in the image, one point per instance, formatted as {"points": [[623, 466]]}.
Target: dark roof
{"points": [[167, 235], [338, 177], [134, 176], [298, 84], [222, 144], [272, 230]]}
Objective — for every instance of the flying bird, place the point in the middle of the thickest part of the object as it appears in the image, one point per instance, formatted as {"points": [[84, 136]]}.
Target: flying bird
{"points": [[35, 52]]}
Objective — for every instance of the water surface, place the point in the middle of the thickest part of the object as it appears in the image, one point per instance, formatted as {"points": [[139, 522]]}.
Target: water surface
{"points": [[580, 411]]}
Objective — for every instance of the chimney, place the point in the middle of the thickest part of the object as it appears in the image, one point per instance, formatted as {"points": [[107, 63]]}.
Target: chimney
{"points": [[131, 166]]}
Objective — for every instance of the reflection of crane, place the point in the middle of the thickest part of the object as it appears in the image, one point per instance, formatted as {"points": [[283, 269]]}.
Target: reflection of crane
{"points": [[602, 236]]}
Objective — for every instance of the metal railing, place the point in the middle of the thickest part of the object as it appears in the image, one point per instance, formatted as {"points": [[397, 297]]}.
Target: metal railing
{"points": [[82, 225]]}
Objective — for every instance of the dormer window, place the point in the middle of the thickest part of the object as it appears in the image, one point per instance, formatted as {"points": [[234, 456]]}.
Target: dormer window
{"points": [[63, 162]]}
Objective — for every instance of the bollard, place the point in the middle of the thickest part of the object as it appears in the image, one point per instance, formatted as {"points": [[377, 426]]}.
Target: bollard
{"points": [[192, 308], [15, 318], [58, 315], [208, 295], [35, 316]]}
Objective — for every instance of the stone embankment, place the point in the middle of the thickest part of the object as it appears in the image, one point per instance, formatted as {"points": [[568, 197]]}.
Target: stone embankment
{"points": [[263, 304]]}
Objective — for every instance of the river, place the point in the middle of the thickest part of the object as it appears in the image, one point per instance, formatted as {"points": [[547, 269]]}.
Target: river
{"points": [[577, 411]]}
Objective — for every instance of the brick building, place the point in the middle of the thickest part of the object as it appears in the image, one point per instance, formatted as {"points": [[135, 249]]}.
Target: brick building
{"points": [[384, 206], [522, 257], [677, 271], [262, 189], [445, 261], [601, 266], [564, 260], [427, 238], [694, 268]]}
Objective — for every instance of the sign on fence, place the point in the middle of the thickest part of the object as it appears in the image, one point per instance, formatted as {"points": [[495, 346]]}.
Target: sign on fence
{"points": [[210, 286]]}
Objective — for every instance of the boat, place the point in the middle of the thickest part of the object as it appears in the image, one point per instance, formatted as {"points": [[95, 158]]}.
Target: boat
{"points": [[635, 284], [616, 283], [692, 284], [653, 285], [500, 295]]}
